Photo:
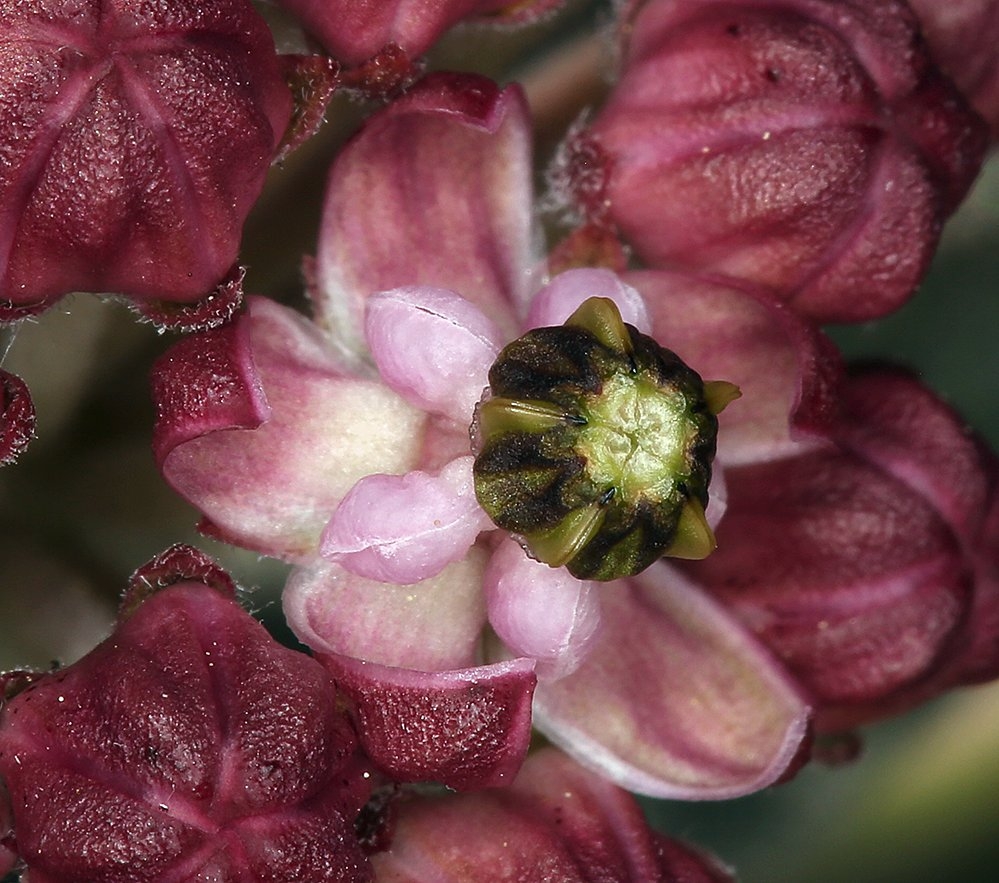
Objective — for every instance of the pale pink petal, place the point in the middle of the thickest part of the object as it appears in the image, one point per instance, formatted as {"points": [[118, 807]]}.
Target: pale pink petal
{"points": [[675, 699], [432, 347], [259, 427], [431, 626], [787, 370], [468, 728], [435, 190], [540, 611], [561, 297], [405, 528]]}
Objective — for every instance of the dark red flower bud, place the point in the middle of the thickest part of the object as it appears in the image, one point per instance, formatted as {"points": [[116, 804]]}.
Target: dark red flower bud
{"points": [[870, 566], [136, 137], [807, 145], [17, 417], [188, 746]]}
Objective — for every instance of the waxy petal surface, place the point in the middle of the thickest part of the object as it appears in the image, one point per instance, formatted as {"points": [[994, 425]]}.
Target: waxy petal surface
{"points": [[467, 728], [136, 138], [432, 347], [164, 755], [555, 822], [675, 699], [274, 488], [432, 626], [788, 372], [395, 214], [539, 611], [406, 528]]}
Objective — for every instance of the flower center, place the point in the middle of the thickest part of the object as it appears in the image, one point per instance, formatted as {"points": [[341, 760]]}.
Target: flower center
{"points": [[594, 446]]}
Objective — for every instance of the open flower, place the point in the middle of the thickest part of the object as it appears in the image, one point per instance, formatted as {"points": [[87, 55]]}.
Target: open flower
{"points": [[282, 432], [809, 146], [136, 138]]}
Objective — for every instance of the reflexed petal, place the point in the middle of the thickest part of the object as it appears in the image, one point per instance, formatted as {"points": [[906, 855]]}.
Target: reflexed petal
{"points": [[398, 213], [843, 571], [433, 625], [260, 428], [468, 728], [787, 370], [405, 528], [675, 699], [561, 297], [432, 347], [555, 822], [540, 611]]}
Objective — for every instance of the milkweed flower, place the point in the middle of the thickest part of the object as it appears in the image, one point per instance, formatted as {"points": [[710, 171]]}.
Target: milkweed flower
{"points": [[810, 146], [276, 427], [136, 138]]}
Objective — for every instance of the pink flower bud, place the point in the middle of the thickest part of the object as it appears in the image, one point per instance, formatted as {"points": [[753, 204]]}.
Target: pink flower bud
{"points": [[136, 137], [809, 145], [188, 746]]}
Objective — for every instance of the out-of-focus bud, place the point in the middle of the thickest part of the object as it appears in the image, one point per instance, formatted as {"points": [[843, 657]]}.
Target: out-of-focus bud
{"points": [[188, 746], [136, 137], [963, 36], [808, 145], [380, 41]]}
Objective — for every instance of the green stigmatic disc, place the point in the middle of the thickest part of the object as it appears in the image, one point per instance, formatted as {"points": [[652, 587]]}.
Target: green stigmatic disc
{"points": [[594, 446]]}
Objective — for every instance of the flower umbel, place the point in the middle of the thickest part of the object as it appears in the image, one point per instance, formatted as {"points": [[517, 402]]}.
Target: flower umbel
{"points": [[595, 446]]}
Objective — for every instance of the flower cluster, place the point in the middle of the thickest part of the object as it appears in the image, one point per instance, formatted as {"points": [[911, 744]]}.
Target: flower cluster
{"points": [[585, 466]]}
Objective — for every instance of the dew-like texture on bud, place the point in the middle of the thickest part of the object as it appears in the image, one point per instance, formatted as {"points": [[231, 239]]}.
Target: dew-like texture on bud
{"points": [[594, 444], [807, 145], [189, 746], [555, 822], [136, 136]]}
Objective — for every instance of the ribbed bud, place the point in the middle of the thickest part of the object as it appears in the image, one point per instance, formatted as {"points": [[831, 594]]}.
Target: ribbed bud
{"points": [[594, 446]]}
